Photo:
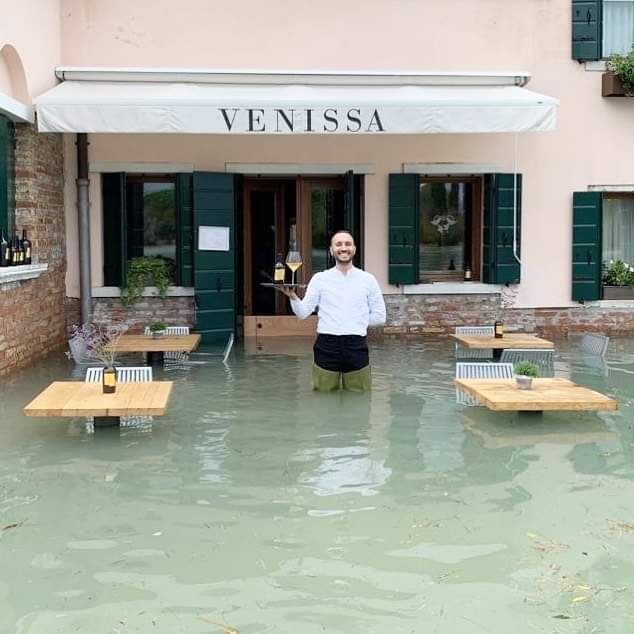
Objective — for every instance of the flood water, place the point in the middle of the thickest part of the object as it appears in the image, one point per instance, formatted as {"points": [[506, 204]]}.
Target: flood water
{"points": [[256, 505]]}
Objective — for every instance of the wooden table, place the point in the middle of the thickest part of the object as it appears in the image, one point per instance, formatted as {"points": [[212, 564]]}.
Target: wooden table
{"points": [[76, 398], [509, 340], [156, 347], [546, 394]]}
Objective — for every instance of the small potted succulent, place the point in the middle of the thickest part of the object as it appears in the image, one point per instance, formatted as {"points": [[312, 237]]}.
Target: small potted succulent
{"points": [[157, 328], [525, 372]]}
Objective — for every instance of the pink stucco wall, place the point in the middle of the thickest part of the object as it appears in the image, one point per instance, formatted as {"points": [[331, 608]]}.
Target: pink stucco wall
{"points": [[589, 147]]}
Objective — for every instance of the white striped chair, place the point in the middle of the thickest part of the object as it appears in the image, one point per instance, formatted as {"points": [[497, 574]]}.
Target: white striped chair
{"points": [[595, 344], [543, 359], [480, 371], [125, 374], [475, 353]]}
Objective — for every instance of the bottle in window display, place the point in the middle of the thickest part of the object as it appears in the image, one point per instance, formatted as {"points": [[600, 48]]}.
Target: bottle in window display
{"points": [[26, 248]]}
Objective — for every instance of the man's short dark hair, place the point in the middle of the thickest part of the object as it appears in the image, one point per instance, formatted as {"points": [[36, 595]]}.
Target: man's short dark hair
{"points": [[341, 231]]}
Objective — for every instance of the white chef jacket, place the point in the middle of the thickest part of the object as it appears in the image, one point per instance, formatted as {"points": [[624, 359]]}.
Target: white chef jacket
{"points": [[348, 302]]}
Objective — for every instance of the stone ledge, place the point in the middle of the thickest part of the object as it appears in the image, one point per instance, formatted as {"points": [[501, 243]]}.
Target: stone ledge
{"points": [[452, 288], [19, 273], [149, 291]]}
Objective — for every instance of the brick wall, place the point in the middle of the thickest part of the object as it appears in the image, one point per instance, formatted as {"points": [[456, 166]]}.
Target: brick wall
{"points": [[32, 316], [440, 314], [173, 311]]}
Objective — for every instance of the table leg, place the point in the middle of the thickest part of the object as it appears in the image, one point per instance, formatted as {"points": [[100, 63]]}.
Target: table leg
{"points": [[155, 358], [107, 421]]}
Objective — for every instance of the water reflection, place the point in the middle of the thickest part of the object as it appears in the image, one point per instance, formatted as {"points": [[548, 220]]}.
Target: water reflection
{"points": [[259, 505]]}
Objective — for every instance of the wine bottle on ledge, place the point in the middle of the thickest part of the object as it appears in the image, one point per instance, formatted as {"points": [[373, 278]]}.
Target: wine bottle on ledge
{"points": [[26, 248]]}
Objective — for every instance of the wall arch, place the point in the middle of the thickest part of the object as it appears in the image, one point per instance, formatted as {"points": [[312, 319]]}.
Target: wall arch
{"points": [[13, 69]]}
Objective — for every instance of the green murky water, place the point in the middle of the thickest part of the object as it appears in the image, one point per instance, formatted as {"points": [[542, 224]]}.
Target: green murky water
{"points": [[256, 505]]}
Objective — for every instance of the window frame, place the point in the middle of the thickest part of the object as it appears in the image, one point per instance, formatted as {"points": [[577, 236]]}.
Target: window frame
{"points": [[476, 211]]}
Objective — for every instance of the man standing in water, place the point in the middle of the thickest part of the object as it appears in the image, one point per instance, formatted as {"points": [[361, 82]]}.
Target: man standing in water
{"points": [[349, 300]]}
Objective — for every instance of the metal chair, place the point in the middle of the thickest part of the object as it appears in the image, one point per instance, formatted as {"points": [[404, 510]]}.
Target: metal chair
{"points": [[177, 330], [469, 353], [480, 371], [543, 359], [595, 344], [125, 374]]}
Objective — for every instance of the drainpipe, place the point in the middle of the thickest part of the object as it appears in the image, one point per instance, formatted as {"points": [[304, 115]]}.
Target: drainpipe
{"points": [[83, 215]]}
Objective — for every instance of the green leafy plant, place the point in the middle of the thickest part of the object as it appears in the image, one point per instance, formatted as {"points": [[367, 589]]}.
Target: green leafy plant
{"points": [[623, 67], [526, 368], [145, 271], [618, 273], [157, 326]]}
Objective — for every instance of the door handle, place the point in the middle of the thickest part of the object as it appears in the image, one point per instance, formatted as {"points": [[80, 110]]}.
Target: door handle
{"points": [[588, 258], [588, 16], [218, 284]]}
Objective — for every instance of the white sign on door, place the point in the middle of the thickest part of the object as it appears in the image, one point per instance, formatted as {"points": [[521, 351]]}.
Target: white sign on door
{"points": [[213, 238]]}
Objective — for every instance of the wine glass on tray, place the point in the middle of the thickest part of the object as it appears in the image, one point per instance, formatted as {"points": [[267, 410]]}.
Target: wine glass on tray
{"points": [[294, 262]]}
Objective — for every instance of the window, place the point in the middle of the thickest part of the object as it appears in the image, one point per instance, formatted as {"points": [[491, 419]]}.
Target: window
{"points": [[147, 215], [151, 218], [439, 225], [450, 212], [7, 172], [618, 26], [618, 227]]}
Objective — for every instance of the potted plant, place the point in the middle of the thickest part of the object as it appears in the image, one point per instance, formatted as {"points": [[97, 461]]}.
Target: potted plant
{"points": [[525, 372], [97, 343], [157, 328], [146, 271], [619, 80], [618, 280]]}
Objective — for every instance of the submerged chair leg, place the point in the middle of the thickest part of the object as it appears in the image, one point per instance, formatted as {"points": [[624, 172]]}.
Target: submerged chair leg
{"points": [[358, 381], [325, 380]]}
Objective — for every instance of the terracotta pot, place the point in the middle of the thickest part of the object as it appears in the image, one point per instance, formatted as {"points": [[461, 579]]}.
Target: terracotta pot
{"points": [[618, 292], [611, 86]]}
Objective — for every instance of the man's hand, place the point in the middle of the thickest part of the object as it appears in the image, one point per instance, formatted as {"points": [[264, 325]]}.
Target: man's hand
{"points": [[289, 292]]}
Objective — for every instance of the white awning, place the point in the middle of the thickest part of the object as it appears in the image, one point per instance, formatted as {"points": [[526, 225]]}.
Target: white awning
{"points": [[226, 108]]}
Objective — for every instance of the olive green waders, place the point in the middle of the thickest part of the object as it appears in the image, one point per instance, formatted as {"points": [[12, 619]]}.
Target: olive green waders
{"points": [[328, 380]]}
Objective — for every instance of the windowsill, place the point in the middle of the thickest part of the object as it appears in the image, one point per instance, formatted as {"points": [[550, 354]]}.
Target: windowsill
{"points": [[452, 288], [596, 66], [19, 273], [612, 303], [149, 291]]}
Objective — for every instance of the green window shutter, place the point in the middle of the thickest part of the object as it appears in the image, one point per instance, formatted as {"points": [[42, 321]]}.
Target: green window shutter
{"points": [[499, 265], [113, 194], [352, 203], [6, 177], [587, 217], [404, 223], [587, 29], [185, 229], [214, 196]]}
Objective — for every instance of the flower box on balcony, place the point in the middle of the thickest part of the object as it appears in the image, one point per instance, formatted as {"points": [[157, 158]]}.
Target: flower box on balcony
{"points": [[611, 86], [618, 292]]}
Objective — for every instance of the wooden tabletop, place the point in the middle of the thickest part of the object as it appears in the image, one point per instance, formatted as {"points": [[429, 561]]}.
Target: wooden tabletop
{"points": [[509, 340], [76, 398], [164, 343], [546, 394]]}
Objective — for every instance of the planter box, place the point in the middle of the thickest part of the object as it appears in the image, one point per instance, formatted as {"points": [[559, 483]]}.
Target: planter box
{"points": [[611, 86], [618, 292]]}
